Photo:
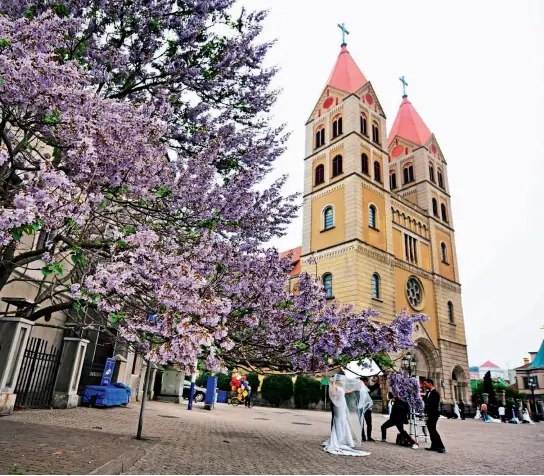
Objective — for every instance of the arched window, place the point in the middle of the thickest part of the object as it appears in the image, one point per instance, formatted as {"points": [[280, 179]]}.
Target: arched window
{"points": [[328, 218], [372, 217], [444, 252], [408, 173], [435, 207], [319, 174], [440, 179], [337, 165], [392, 180], [336, 126], [375, 133], [431, 172], [364, 164], [451, 316], [444, 212], [376, 286], [364, 129], [320, 137], [377, 171], [327, 284]]}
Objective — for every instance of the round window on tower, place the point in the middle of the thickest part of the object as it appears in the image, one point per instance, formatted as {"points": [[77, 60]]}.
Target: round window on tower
{"points": [[414, 293]]}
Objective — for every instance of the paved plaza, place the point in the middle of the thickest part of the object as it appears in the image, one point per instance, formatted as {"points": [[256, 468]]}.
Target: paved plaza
{"points": [[231, 440]]}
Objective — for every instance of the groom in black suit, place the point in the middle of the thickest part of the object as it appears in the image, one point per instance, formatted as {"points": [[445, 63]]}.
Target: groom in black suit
{"points": [[432, 404]]}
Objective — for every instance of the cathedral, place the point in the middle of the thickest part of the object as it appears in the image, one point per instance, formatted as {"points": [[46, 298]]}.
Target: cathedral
{"points": [[377, 219]]}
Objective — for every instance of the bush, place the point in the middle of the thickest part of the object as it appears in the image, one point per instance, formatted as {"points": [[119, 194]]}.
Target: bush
{"points": [[223, 380], [277, 389], [254, 382], [307, 390]]}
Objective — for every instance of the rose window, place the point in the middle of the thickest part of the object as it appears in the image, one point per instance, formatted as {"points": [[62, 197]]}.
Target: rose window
{"points": [[414, 292]]}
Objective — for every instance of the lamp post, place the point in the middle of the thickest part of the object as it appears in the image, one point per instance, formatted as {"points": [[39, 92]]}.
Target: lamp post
{"points": [[531, 383], [409, 364]]}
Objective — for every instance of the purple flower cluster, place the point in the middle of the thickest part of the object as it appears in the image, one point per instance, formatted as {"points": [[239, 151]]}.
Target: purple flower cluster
{"points": [[408, 388]]}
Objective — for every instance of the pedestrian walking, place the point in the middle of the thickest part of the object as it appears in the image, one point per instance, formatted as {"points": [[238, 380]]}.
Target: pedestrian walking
{"points": [[248, 397], [462, 409], [432, 403], [502, 413], [484, 412], [368, 413], [399, 417]]}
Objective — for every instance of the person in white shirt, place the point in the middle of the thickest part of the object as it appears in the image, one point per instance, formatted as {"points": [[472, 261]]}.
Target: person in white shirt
{"points": [[502, 413]]}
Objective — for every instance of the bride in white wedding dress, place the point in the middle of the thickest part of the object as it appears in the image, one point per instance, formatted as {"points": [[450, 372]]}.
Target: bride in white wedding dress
{"points": [[345, 394]]}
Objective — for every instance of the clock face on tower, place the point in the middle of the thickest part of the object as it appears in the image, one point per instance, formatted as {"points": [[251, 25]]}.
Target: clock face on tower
{"points": [[397, 151]]}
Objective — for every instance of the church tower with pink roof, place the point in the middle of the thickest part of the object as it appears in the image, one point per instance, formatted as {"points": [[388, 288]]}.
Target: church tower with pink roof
{"points": [[377, 219]]}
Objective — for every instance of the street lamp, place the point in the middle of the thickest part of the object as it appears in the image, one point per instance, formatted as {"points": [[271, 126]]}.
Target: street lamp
{"points": [[409, 363]]}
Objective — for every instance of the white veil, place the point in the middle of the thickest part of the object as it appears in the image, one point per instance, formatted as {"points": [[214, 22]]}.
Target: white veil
{"points": [[356, 400]]}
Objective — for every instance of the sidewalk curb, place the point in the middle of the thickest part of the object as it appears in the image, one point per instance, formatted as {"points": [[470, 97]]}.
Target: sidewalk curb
{"points": [[123, 462]]}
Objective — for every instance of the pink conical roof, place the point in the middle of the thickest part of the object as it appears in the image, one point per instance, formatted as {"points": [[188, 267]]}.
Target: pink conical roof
{"points": [[409, 125], [346, 75]]}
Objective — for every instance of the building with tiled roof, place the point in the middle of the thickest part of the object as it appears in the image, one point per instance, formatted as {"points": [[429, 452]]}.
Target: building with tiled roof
{"points": [[377, 219], [532, 369]]}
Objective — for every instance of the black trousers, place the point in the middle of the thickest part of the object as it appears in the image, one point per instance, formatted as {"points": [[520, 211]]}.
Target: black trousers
{"points": [[248, 401], [368, 424], [436, 441], [332, 415], [388, 424]]}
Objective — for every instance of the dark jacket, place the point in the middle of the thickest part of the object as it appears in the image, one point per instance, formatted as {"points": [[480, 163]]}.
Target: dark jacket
{"points": [[400, 411], [432, 403]]}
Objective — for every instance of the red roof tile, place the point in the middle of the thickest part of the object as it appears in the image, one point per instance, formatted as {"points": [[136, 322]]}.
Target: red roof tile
{"points": [[489, 365], [409, 125], [346, 75], [295, 259]]}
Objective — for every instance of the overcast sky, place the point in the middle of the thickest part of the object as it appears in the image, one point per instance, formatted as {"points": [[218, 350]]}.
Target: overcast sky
{"points": [[475, 71]]}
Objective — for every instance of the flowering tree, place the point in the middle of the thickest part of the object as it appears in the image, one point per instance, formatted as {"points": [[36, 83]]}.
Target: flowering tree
{"points": [[408, 389], [133, 136]]}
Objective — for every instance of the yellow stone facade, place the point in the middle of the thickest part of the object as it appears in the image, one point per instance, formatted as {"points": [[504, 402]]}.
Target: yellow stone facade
{"points": [[406, 242]]}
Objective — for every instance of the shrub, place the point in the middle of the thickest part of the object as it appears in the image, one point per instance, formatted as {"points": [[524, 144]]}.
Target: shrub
{"points": [[254, 382], [223, 380], [277, 389], [307, 390]]}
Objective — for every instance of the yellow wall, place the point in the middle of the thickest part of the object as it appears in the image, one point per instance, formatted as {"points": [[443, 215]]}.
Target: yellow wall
{"points": [[373, 237], [336, 235], [412, 197], [445, 270], [425, 256], [397, 244], [401, 277]]}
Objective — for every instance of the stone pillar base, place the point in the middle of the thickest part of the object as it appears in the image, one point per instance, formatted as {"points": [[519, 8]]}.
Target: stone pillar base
{"points": [[7, 403], [65, 400]]}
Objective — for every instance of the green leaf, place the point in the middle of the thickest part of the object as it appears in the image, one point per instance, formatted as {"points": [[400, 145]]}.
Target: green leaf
{"points": [[77, 306], [60, 9], [163, 191], [4, 43], [46, 270], [52, 119], [17, 233], [29, 13], [128, 230], [36, 226], [28, 229], [116, 316]]}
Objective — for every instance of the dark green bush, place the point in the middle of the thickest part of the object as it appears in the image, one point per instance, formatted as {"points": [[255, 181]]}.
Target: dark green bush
{"points": [[254, 382], [277, 389], [307, 390], [223, 380]]}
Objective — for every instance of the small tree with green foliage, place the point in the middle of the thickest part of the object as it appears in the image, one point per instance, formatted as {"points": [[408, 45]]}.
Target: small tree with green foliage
{"points": [[277, 389], [307, 391]]}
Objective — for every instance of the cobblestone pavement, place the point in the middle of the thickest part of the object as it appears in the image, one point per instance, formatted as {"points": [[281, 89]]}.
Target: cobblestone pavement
{"points": [[231, 440]]}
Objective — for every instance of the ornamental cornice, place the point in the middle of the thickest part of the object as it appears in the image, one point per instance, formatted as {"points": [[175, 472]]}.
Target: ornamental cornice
{"points": [[373, 187], [335, 147], [377, 255], [413, 269], [401, 201], [449, 285], [328, 190], [319, 157]]}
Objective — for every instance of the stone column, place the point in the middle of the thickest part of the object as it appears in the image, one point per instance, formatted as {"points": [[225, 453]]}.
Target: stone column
{"points": [[71, 363], [501, 397], [14, 334], [119, 370]]}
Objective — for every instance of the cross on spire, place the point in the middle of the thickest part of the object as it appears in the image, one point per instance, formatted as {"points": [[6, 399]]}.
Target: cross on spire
{"points": [[345, 32], [404, 84]]}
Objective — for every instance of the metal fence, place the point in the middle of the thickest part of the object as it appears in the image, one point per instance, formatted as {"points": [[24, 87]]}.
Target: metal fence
{"points": [[36, 380]]}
